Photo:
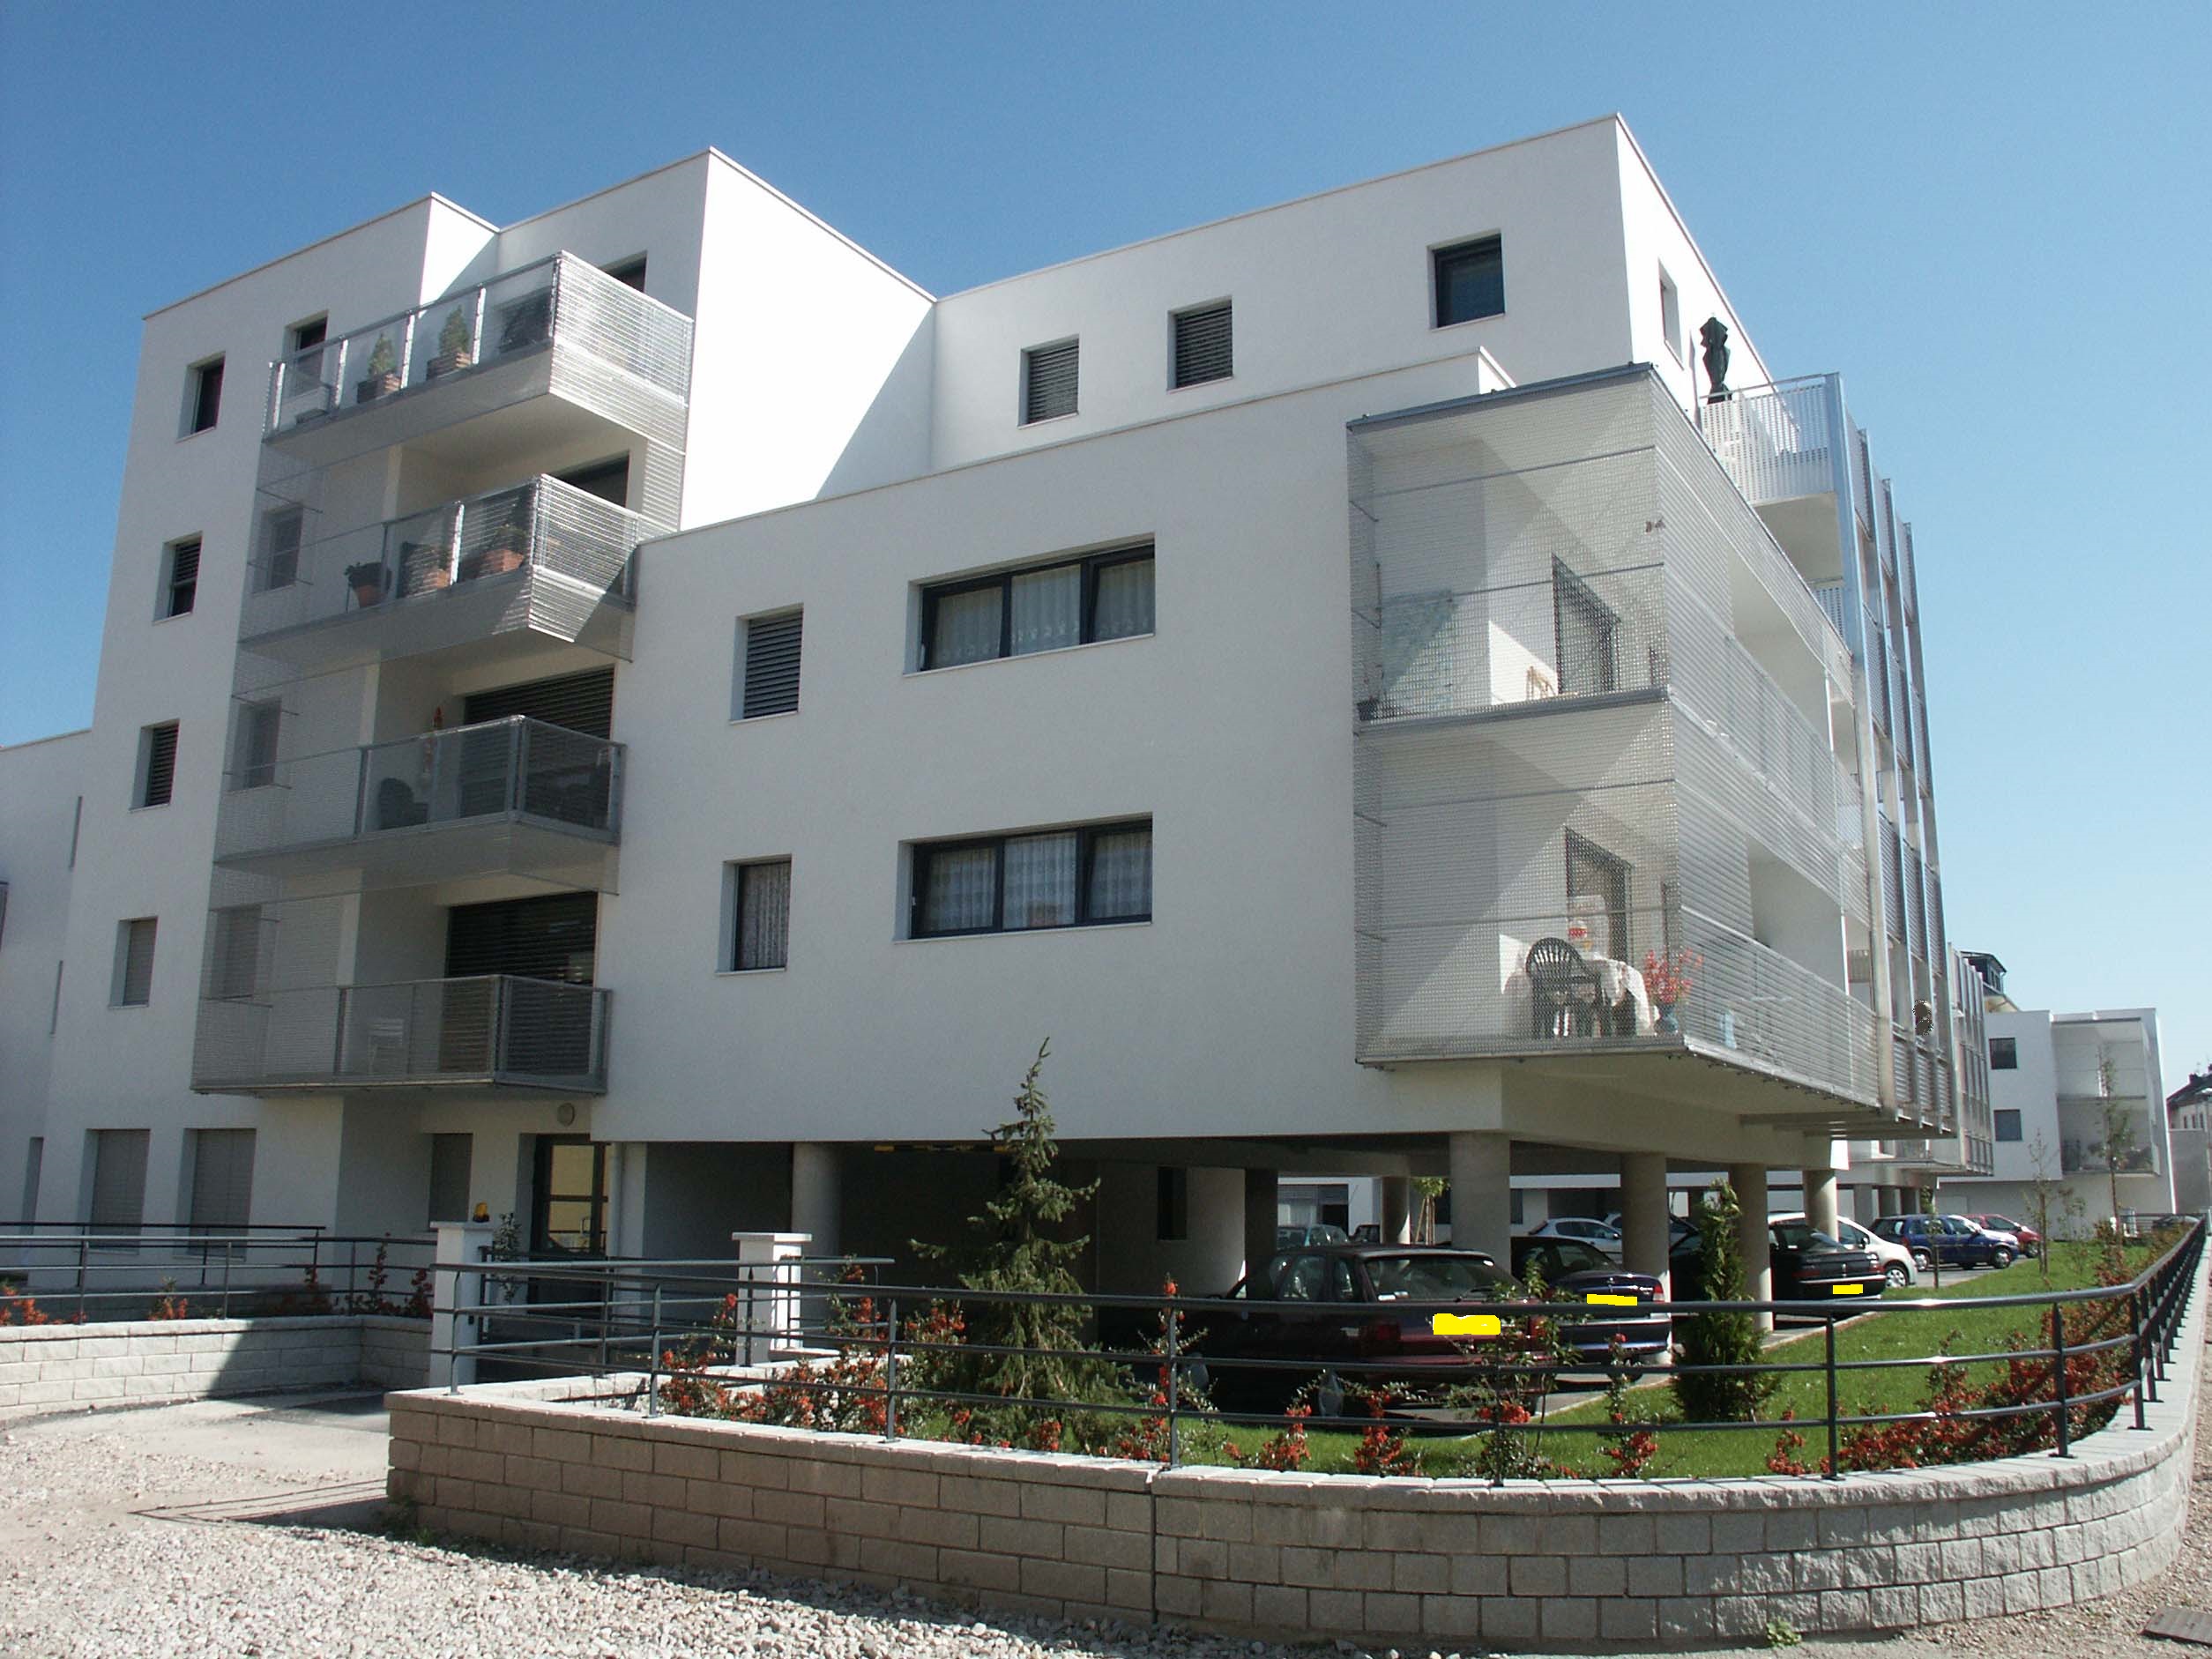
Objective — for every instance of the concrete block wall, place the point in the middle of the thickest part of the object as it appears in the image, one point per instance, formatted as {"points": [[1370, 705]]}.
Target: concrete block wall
{"points": [[149, 1362], [1418, 1563]]}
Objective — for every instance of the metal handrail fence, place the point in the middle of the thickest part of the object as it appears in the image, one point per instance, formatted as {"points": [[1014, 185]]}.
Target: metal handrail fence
{"points": [[646, 1333], [68, 1271]]}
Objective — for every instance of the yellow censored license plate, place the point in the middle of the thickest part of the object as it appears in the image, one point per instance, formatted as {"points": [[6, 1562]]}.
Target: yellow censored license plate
{"points": [[1607, 1299], [1847, 1289], [1464, 1325]]}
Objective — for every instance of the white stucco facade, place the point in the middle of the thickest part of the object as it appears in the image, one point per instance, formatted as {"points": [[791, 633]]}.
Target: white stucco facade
{"points": [[776, 421]]}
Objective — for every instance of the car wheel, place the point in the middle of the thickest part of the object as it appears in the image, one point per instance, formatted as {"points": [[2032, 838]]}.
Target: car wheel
{"points": [[1922, 1262], [1898, 1275], [2000, 1257]]}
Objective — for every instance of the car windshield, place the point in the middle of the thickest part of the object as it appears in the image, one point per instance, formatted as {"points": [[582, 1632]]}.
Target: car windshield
{"points": [[1798, 1235], [2000, 1224], [1555, 1257], [1435, 1278]]}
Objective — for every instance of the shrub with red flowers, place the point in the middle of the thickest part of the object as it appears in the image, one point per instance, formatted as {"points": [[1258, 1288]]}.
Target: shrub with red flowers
{"points": [[1383, 1449], [1286, 1449], [1668, 977]]}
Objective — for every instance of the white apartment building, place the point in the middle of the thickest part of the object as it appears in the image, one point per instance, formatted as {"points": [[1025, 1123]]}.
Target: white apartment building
{"points": [[2078, 1102], [645, 720]]}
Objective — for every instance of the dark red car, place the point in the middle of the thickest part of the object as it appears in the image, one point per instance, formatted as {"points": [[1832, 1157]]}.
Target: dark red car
{"points": [[2030, 1240]]}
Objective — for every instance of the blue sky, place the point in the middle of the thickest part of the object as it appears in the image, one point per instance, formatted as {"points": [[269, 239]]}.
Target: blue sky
{"points": [[1992, 219]]}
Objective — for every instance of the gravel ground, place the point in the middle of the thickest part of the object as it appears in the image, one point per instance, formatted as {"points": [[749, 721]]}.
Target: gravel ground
{"points": [[127, 1536]]}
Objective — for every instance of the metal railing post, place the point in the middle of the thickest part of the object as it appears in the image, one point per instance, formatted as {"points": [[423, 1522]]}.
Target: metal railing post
{"points": [[1834, 1451], [653, 1363], [517, 755], [890, 1369], [229, 1249], [2058, 1347], [1174, 1442], [2135, 1347], [84, 1248]]}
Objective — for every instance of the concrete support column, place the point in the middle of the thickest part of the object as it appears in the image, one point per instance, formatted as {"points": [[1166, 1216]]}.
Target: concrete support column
{"points": [[455, 1295], [1820, 1200], [1482, 1193], [1750, 1182], [1397, 1209], [1644, 1215], [1259, 1221], [817, 1198]]}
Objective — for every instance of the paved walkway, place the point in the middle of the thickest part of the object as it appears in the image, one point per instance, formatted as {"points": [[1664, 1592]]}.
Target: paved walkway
{"points": [[231, 1527]]}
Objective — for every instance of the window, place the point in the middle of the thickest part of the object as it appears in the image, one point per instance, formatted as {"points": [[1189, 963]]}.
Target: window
{"points": [[134, 964], [1588, 636], [451, 1156], [222, 1179], [1204, 345], [309, 336], [1048, 381], [770, 669], [2004, 1053], [119, 1179], [629, 272], [1172, 1212], [282, 531], [1470, 280], [202, 396], [1592, 872], [1061, 878], [1671, 313], [759, 909], [180, 576], [54, 1014], [233, 958], [256, 760], [2007, 1123], [157, 765], [1106, 596]]}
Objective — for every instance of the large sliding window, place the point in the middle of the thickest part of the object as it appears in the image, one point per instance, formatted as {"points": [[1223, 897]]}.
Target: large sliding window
{"points": [[1049, 607], [1055, 878]]}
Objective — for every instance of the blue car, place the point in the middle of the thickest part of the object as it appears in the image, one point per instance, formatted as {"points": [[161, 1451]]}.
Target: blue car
{"points": [[1933, 1238]]}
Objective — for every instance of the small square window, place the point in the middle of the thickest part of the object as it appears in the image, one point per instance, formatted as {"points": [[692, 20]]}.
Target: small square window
{"points": [[1048, 381], [134, 964], [759, 916], [1204, 344], [180, 576], [2004, 1053], [2007, 1124], [202, 396], [1470, 280], [1671, 313], [157, 765]]}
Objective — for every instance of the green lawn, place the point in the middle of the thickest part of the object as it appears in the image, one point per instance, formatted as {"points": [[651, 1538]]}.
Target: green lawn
{"points": [[1905, 1334]]}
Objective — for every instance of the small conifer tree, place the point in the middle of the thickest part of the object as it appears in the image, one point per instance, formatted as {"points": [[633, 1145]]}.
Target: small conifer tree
{"points": [[1721, 1338]]}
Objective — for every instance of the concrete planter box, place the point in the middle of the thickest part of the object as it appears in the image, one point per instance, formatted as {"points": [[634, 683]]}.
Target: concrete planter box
{"points": [[158, 1362]]}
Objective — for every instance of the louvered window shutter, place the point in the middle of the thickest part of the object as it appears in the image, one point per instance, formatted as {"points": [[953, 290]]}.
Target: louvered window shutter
{"points": [[582, 702], [134, 972], [772, 665], [1048, 381], [119, 1179], [222, 1178], [1203, 346], [160, 781], [184, 575]]}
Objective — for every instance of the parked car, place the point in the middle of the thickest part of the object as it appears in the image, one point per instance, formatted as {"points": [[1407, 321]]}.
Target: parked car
{"points": [[1581, 1271], [1895, 1259], [1588, 1229], [1955, 1243], [1808, 1266], [1314, 1232], [2029, 1241], [1349, 1289]]}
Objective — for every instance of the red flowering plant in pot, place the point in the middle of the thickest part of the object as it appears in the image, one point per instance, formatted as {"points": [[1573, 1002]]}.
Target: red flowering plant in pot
{"points": [[1667, 980]]}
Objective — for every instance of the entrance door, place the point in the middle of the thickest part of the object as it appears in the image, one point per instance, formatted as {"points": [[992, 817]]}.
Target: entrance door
{"points": [[568, 1205]]}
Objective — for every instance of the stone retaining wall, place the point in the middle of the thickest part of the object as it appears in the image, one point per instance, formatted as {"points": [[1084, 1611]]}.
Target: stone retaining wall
{"points": [[1417, 1563], [148, 1362]]}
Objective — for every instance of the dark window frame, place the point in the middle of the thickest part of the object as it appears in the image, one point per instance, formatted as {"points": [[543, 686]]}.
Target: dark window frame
{"points": [[1569, 587], [1444, 259], [1090, 564], [203, 395], [1029, 410], [2009, 1048], [1086, 847], [1226, 309], [180, 594], [1997, 1116], [150, 741], [747, 681], [1610, 864], [740, 869]]}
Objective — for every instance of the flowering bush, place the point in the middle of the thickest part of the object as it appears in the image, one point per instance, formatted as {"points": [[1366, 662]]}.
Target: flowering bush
{"points": [[1383, 1449]]}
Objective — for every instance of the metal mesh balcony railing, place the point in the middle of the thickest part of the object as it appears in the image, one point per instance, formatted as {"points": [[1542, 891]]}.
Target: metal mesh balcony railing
{"points": [[549, 556], [562, 300], [487, 1030], [509, 769], [1774, 439]]}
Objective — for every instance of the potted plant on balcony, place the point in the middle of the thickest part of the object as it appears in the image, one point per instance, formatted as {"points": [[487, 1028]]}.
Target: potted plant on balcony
{"points": [[384, 372], [457, 343], [367, 579], [1667, 980]]}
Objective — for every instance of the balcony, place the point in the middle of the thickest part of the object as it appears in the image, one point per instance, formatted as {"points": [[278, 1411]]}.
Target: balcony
{"points": [[1774, 439], [555, 352], [514, 796], [490, 1031], [542, 561]]}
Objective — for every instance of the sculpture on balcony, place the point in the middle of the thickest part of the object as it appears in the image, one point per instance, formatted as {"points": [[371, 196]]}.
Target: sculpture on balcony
{"points": [[1714, 336]]}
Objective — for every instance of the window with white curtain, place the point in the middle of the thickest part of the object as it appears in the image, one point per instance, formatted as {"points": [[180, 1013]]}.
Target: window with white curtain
{"points": [[760, 926], [1052, 878], [1045, 608]]}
